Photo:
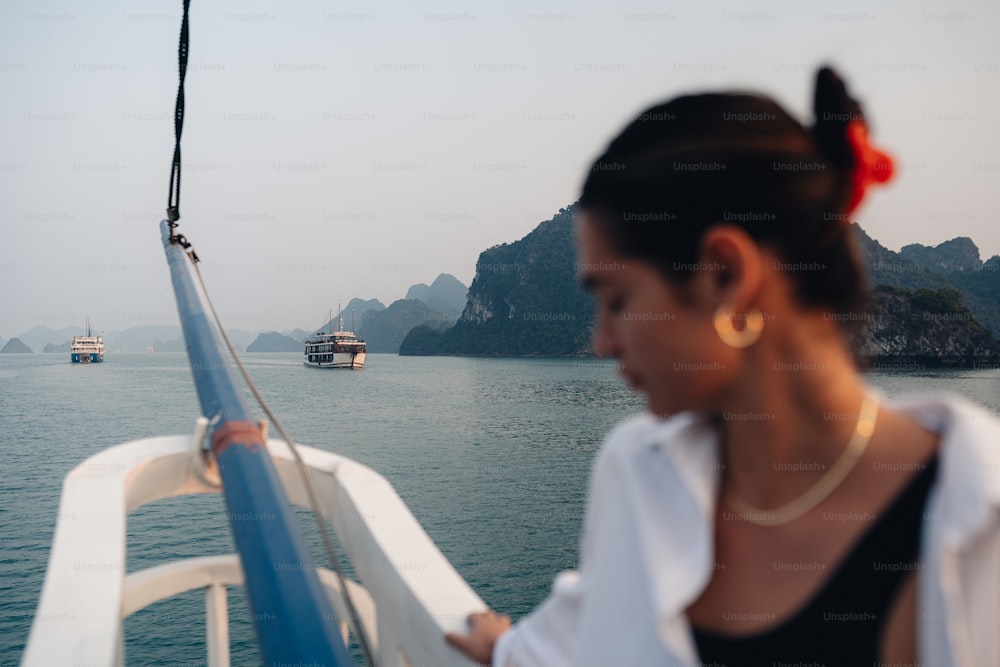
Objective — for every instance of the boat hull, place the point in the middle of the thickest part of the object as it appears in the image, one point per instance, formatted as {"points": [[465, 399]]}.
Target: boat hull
{"points": [[339, 360], [86, 349]]}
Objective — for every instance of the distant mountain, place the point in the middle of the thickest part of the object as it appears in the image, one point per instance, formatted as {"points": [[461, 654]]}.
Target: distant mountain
{"points": [[241, 337], [384, 331], [15, 346], [38, 336], [274, 342], [161, 337], [524, 301], [924, 328], [953, 264], [298, 334], [165, 338], [942, 303], [357, 309], [958, 254], [446, 294]]}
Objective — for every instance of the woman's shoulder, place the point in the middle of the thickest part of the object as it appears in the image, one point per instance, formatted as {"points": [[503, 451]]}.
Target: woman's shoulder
{"points": [[646, 429], [645, 444], [969, 476], [963, 425]]}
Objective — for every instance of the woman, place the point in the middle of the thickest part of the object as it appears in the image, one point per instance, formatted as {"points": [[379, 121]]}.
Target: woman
{"points": [[771, 509]]}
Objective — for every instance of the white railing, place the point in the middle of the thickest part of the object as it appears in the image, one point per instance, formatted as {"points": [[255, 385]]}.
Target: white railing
{"points": [[409, 596], [213, 574]]}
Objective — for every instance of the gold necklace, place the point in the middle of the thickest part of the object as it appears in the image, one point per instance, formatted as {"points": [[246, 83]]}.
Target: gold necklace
{"points": [[824, 486]]}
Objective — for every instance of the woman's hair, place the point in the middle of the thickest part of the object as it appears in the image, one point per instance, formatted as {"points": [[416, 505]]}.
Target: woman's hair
{"points": [[700, 160]]}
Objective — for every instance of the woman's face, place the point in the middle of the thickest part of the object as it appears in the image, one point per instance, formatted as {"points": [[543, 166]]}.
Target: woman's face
{"points": [[666, 346]]}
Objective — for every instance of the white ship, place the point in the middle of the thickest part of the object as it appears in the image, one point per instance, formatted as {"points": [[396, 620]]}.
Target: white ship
{"points": [[87, 349], [335, 349]]}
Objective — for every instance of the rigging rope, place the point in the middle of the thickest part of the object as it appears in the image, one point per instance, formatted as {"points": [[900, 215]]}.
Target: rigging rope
{"points": [[174, 195], [173, 215]]}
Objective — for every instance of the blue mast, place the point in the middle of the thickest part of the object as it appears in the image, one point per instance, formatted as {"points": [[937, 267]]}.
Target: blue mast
{"points": [[293, 618]]}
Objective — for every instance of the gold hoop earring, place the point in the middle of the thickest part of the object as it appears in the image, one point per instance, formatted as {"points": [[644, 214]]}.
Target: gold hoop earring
{"points": [[727, 332]]}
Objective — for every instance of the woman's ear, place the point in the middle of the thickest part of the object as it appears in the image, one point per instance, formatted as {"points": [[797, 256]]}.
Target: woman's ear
{"points": [[731, 268]]}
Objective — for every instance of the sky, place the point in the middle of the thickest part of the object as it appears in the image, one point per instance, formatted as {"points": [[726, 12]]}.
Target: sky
{"points": [[341, 149]]}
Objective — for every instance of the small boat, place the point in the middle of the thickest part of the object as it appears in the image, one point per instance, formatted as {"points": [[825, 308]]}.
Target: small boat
{"points": [[335, 349], [87, 349]]}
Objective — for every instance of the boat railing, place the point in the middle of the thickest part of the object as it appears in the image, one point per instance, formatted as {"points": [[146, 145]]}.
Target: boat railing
{"points": [[408, 597]]}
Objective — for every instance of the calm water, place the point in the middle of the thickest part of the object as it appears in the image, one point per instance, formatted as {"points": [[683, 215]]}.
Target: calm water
{"points": [[491, 455]]}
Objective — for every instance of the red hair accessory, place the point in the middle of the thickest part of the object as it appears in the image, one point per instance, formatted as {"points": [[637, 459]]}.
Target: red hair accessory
{"points": [[872, 165]]}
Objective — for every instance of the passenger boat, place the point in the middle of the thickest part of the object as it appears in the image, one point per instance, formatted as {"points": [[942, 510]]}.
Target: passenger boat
{"points": [[86, 349], [335, 349]]}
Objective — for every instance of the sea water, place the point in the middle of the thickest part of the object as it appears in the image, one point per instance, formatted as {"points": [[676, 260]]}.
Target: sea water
{"points": [[491, 455]]}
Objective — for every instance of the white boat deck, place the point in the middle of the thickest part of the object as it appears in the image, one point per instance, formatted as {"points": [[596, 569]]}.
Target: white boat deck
{"points": [[408, 597]]}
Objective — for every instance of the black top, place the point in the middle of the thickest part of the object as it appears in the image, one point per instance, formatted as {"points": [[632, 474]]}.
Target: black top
{"points": [[843, 623]]}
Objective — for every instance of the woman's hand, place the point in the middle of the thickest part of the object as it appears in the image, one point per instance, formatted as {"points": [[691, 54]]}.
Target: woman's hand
{"points": [[485, 627]]}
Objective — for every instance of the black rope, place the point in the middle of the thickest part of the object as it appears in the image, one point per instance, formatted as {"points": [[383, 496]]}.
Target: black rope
{"points": [[174, 196]]}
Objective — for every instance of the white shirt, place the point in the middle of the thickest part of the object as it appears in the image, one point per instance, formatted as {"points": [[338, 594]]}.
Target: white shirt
{"points": [[647, 550]]}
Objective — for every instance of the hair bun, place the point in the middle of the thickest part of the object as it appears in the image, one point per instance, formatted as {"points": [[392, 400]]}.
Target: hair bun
{"points": [[834, 108]]}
